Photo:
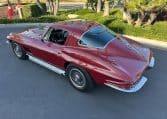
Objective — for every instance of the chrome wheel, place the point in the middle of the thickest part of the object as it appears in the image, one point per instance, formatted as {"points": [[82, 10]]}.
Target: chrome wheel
{"points": [[17, 50], [77, 78]]}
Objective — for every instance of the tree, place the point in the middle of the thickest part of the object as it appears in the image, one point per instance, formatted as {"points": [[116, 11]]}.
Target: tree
{"points": [[115, 3], [39, 5], [155, 10], [92, 4], [48, 6], [52, 6], [8, 2], [99, 5], [19, 9], [140, 12], [56, 7], [106, 8]]}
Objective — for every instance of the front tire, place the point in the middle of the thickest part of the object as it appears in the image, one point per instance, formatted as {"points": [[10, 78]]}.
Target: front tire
{"points": [[19, 51], [79, 78]]}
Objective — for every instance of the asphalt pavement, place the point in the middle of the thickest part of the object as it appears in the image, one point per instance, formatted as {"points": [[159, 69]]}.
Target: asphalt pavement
{"points": [[29, 91]]}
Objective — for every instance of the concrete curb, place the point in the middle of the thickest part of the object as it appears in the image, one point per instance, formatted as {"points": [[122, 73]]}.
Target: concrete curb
{"points": [[150, 42]]}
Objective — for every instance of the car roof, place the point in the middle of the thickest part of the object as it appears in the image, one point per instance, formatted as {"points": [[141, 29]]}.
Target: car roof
{"points": [[76, 26]]}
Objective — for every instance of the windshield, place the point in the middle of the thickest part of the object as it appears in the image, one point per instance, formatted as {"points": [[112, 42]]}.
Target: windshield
{"points": [[97, 37]]}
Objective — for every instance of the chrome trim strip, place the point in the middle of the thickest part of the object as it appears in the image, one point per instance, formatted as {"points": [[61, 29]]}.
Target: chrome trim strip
{"points": [[46, 65], [152, 62], [135, 88]]}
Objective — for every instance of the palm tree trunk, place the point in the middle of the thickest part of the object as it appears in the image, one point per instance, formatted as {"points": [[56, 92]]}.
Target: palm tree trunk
{"points": [[141, 16], [153, 15], [106, 8], [99, 5], [19, 9], [116, 3], [152, 18], [56, 7], [8, 2], [127, 16], [52, 6], [39, 5], [48, 6]]}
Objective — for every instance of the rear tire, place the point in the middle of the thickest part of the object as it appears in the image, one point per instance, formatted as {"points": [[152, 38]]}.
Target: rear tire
{"points": [[19, 51], [79, 78]]}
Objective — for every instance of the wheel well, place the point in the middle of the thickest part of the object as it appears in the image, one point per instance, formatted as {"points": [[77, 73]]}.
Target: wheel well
{"points": [[67, 63]]}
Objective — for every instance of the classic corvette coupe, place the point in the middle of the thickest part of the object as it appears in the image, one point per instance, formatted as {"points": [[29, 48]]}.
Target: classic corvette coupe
{"points": [[87, 52]]}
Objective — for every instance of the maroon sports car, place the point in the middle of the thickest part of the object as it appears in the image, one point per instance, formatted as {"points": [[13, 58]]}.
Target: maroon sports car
{"points": [[87, 53]]}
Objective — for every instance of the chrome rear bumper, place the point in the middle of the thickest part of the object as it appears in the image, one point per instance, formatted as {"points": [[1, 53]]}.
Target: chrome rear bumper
{"points": [[134, 88], [138, 85]]}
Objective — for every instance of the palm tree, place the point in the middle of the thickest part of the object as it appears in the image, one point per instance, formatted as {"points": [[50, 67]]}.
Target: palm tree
{"points": [[56, 7], [48, 6], [39, 5], [145, 11], [19, 9], [99, 5], [127, 15], [106, 8]]}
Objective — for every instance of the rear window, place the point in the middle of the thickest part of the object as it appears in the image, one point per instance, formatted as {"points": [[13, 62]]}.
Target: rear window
{"points": [[97, 37]]}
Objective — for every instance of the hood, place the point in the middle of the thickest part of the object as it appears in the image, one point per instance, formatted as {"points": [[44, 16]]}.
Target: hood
{"points": [[35, 33], [128, 56]]}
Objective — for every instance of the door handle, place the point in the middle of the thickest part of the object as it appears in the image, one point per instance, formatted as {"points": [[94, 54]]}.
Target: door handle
{"points": [[58, 53]]}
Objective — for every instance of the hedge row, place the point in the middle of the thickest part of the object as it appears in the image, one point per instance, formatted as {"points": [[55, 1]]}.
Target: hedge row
{"points": [[114, 22], [32, 10], [42, 19]]}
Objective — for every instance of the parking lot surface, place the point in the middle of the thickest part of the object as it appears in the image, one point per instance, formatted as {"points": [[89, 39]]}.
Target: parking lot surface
{"points": [[29, 91]]}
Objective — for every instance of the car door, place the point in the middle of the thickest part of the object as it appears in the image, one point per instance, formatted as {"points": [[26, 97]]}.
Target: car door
{"points": [[48, 51]]}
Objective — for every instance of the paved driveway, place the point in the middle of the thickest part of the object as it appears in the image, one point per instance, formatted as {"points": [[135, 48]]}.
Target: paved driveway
{"points": [[29, 91]]}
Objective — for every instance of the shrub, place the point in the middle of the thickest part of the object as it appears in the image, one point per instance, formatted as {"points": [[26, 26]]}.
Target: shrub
{"points": [[42, 19], [32, 10], [114, 22]]}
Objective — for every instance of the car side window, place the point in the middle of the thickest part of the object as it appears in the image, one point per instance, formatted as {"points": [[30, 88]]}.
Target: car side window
{"points": [[97, 37], [58, 36]]}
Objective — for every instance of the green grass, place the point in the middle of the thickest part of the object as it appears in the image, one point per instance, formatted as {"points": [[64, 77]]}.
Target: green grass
{"points": [[42, 19], [157, 31]]}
